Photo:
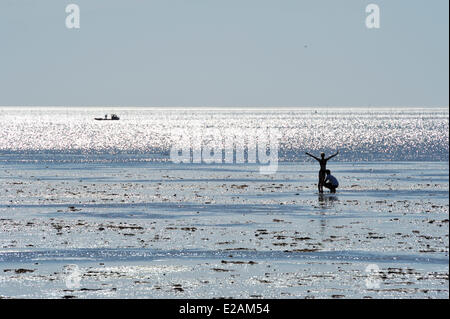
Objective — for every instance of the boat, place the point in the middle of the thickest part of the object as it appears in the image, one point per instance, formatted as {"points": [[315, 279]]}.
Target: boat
{"points": [[113, 117]]}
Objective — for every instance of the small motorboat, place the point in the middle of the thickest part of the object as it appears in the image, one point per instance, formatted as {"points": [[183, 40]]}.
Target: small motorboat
{"points": [[113, 117]]}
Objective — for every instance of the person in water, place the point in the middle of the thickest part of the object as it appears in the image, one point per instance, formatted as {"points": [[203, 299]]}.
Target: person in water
{"points": [[323, 167], [331, 182]]}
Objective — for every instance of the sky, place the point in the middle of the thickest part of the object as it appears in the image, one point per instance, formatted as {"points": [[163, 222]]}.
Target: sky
{"points": [[262, 53]]}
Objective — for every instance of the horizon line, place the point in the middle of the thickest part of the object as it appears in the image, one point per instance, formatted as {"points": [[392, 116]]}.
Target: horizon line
{"points": [[225, 107]]}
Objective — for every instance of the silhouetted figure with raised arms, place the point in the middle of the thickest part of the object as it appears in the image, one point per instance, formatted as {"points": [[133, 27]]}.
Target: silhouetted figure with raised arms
{"points": [[323, 168]]}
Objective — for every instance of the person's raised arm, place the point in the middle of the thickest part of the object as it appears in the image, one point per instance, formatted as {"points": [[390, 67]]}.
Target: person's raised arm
{"points": [[332, 155], [317, 159]]}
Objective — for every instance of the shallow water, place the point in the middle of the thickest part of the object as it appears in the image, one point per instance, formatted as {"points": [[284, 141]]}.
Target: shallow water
{"points": [[136, 225]]}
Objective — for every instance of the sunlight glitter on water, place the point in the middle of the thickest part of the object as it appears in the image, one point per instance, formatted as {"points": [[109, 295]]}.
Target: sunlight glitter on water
{"points": [[359, 133]]}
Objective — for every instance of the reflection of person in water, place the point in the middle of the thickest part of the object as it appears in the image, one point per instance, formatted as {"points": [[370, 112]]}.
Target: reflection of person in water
{"points": [[331, 182], [323, 167]]}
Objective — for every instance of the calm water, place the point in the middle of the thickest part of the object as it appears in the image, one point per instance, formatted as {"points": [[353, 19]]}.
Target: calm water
{"points": [[103, 196], [143, 134]]}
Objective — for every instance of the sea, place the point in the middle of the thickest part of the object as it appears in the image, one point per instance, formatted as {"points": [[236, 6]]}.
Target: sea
{"points": [[176, 203]]}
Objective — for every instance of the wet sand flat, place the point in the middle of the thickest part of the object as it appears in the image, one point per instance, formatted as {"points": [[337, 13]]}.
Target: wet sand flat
{"points": [[163, 230]]}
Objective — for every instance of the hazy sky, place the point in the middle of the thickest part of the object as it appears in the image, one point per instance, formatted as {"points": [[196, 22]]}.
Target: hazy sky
{"points": [[224, 53]]}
